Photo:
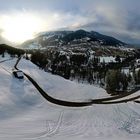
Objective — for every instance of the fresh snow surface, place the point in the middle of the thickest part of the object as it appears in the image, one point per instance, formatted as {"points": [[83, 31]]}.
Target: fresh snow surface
{"points": [[26, 115], [107, 59]]}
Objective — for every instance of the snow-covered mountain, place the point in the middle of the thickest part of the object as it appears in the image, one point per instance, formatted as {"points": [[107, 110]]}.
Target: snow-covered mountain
{"points": [[67, 38], [25, 114]]}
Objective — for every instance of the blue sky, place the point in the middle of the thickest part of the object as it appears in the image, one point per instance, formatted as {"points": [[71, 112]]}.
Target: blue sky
{"points": [[118, 18]]}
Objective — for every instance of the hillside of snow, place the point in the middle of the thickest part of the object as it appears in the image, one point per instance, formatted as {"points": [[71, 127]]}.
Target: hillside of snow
{"points": [[25, 114]]}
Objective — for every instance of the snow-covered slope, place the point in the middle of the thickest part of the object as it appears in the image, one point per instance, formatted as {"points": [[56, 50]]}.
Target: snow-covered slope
{"points": [[25, 114]]}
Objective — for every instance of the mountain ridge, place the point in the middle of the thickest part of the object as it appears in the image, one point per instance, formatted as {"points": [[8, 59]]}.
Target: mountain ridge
{"points": [[63, 38]]}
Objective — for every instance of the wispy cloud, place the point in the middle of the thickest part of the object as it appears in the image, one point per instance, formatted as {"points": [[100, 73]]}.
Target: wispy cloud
{"points": [[119, 18]]}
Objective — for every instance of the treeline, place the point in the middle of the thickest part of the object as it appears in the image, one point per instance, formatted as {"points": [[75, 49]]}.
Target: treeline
{"points": [[117, 81], [82, 67], [40, 59], [10, 50]]}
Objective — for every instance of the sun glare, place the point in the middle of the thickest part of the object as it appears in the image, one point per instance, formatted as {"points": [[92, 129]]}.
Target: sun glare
{"points": [[19, 28]]}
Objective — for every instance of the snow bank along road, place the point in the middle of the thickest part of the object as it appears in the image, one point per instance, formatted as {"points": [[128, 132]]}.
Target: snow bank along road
{"points": [[80, 104]]}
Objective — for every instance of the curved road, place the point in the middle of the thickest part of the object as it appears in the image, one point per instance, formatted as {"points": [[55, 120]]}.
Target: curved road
{"points": [[51, 99], [78, 104]]}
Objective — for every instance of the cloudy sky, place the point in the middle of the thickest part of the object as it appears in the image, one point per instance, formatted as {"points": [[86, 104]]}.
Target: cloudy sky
{"points": [[118, 18]]}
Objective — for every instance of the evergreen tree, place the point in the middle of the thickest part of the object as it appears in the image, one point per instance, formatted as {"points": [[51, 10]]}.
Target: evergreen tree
{"points": [[112, 82], [3, 54], [115, 81], [138, 77], [118, 59], [124, 81]]}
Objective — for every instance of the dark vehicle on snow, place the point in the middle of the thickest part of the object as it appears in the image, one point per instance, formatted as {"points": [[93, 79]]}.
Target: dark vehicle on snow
{"points": [[18, 74]]}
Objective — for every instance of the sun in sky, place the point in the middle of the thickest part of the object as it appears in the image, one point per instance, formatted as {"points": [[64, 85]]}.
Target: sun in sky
{"points": [[21, 27]]}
